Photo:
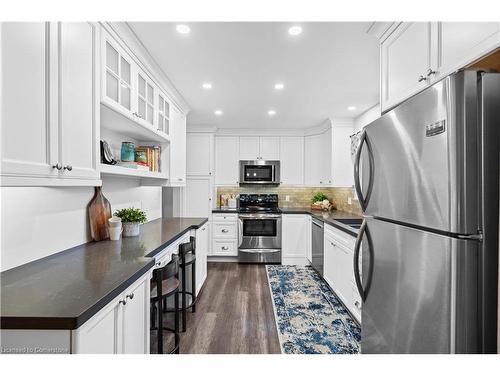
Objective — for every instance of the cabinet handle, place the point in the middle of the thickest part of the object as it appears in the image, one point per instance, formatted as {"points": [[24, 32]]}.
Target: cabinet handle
{"points": [[131, 296], [422, 78], [225, 248], [357, 304], [430, 72], [57, 166], [224, 231], [68, 167], [123, 302]]}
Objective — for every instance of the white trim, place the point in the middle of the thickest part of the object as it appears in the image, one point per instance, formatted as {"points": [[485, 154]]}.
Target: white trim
{"points": [[274, 310]]}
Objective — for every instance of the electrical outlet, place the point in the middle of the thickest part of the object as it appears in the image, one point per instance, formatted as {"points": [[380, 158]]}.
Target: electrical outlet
{"points": [[349, 200], [287, 198]]}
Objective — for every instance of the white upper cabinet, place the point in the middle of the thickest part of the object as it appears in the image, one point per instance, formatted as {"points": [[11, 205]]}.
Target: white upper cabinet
{"points": [[77, 100], [269, 148], [249, 148], [117, 83], [177, 148], [463, 42], [416, 54], [292, 160], [405, 60], [145, 98], [199, 149], [49, 137], [28, 145], [163, 114], [314, 160], [253, 148], [342, 171], [226, 160], [326, 161]]}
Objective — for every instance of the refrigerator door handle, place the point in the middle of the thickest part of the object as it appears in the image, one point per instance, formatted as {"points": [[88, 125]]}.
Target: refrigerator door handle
{"points": [[363, 201], [362, 231]]}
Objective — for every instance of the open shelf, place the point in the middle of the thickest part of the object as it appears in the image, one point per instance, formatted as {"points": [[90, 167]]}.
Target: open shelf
{"points": [[130, 172], [125, 124]]}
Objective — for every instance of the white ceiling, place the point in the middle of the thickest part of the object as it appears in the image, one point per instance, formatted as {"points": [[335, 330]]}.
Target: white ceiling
{"points": [[327, 68]]}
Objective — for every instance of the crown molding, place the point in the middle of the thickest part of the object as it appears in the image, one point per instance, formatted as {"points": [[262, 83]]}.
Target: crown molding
{"points": [[381, 30], [127, 36]]}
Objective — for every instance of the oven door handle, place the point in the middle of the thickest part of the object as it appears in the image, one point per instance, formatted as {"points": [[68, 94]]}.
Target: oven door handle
{"points": [[259, 251], [259, 216], [240, 232]]}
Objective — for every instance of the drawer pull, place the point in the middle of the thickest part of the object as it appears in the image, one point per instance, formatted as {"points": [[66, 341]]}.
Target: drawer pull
{"points": [[225, 248], [357, 304], [131, 296], [123, 302], [224, 231]]}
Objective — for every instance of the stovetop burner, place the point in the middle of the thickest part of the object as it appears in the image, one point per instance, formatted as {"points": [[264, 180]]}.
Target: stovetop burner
{"points": [[263, 203]]}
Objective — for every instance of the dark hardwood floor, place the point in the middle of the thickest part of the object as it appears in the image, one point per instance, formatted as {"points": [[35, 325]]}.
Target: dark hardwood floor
{"points": [[234, 314]]}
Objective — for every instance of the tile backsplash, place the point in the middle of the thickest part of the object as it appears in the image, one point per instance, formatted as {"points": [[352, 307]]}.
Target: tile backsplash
{"points": [[300, 196]]}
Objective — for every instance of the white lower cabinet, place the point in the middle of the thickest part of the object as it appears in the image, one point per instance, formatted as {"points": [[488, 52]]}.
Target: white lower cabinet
{"points": [[296, 239], [339, 268], [122, 326], [202, 238], [224, 234]]}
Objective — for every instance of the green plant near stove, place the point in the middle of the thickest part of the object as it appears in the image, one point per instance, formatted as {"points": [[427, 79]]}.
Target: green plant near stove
{"points": [[131, 218]]}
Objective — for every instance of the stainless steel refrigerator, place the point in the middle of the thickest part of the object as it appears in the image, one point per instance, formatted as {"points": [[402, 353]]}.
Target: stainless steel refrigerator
{"points": [[427, 178]]}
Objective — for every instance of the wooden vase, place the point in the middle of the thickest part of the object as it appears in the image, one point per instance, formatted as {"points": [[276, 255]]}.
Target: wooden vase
{"points": [[99, 213]]}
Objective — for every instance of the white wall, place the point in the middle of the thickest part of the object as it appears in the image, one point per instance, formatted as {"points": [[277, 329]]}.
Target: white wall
{"points": [[366, 117], [40, 221]]}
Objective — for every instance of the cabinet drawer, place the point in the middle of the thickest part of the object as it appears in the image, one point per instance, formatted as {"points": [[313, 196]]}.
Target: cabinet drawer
{"points": [[225, 217], [343, 238], [224, 230], [221, 247]]}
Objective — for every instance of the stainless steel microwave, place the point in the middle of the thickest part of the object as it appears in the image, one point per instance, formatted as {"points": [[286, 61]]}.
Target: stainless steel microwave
{"points": [[263, 172]]}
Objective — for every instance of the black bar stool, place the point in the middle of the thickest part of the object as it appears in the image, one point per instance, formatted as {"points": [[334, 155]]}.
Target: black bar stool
{"points": [[165, 283], [187, 254]]}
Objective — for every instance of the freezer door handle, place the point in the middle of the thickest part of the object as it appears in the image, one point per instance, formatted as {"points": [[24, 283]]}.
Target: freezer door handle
{"points": [[362, 231], [363, 201]]}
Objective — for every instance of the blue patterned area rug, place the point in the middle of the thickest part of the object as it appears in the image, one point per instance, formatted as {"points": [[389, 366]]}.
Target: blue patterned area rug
{"points": [[309, 316]]}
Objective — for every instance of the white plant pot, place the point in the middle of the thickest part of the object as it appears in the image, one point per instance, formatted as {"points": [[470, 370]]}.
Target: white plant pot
{"points": [[130, 229]]}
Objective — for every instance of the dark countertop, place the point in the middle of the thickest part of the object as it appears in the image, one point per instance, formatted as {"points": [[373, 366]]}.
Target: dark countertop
{"points": [[328, 217], [64, 290]]}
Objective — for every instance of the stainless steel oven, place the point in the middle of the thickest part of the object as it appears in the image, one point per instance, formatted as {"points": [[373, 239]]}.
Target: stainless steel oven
{"points": [[260, 172], [259, 238]]}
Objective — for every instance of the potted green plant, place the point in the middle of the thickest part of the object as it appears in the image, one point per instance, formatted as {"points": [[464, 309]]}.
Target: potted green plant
{"points": [[131, 218], [320, 201]]}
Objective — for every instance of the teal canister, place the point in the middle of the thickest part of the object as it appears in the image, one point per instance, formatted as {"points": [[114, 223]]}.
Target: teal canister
{"points": [[128, 151]]}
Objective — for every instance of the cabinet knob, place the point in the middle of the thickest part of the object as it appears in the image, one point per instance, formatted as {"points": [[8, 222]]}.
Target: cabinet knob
{"points": [[68, 167], [131, 296], [422, 78], [224, 231], [57, 166], [430, 72], [123, 302], [180, 179], [357, 304], [225, 248], [158, 264]]}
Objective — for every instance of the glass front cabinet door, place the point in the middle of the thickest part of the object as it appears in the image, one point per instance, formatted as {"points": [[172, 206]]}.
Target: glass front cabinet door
{"points": [[118, 88], [146, 91], [163, 114]]}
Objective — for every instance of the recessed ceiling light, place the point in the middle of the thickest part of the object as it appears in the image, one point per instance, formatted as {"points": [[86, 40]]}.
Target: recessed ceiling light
{"points": [[279, 86], [207, 85], [295, 30], [218, 112], [271, 112], [351, 108], [183, 29]]}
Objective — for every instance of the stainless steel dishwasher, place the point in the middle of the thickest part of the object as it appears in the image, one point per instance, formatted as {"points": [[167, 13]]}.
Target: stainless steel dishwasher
{"points": [[317, 245]]}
